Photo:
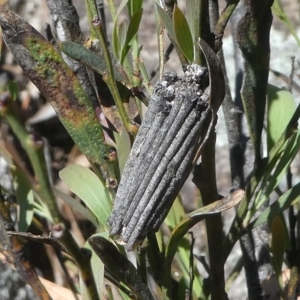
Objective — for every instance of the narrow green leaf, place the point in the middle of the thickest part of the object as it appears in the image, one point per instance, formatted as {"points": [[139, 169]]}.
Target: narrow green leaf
{"points": [[123, 295], [25, 199], [134, 24], [133, 28], [76, 205], [256, 182], [87, 186], [115, 36], [183, 34], [278, 243], [123, 148], [290, 150], [13, 89], [97, 269], [289, 198], [193, 218], [281, 107], [166, 20], [43, 214], [183, 286], [277, 10], [122, 32], [42, 210], [134, 6], [175, 214], [183, 260], [93, 60], [190, 17], [115, 41], [121, 6], [120, 94]]}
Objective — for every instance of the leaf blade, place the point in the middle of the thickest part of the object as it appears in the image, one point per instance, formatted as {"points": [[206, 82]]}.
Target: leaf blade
{"points": [[166, 20], [87, 186], [25, 199], [183, 34], [76, 205], [290, 197], [132, 31], [281, 107]]}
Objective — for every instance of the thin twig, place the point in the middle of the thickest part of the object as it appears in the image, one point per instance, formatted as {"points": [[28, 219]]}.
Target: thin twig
{"points": [[191, 269], [165, 59], [290, 85]]}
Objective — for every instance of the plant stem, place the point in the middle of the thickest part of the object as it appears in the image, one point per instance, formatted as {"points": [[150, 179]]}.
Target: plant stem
{"points": [[208, 189], [223, 20], [201, 29], [96, 28]]}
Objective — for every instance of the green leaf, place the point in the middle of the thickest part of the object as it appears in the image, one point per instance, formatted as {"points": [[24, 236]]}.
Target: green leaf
{"points": [[124, 296], [278, 242], [115, 41], [121, 6], [278, 11], [13, 89], [123, 148], [281, 107], [193, 218], [190, 16], [120, 267], [133, 28], [97, 269], [280, 14], [25, 198], [116, 31], [183, 34], [76, 205], [290, 150], [289, 198], [166, 20], [134, 6], [175, 214], [270, 182], [183, 266], [122, 32], [183, 260], [92, 60], [42, 210], [87, 186]]}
